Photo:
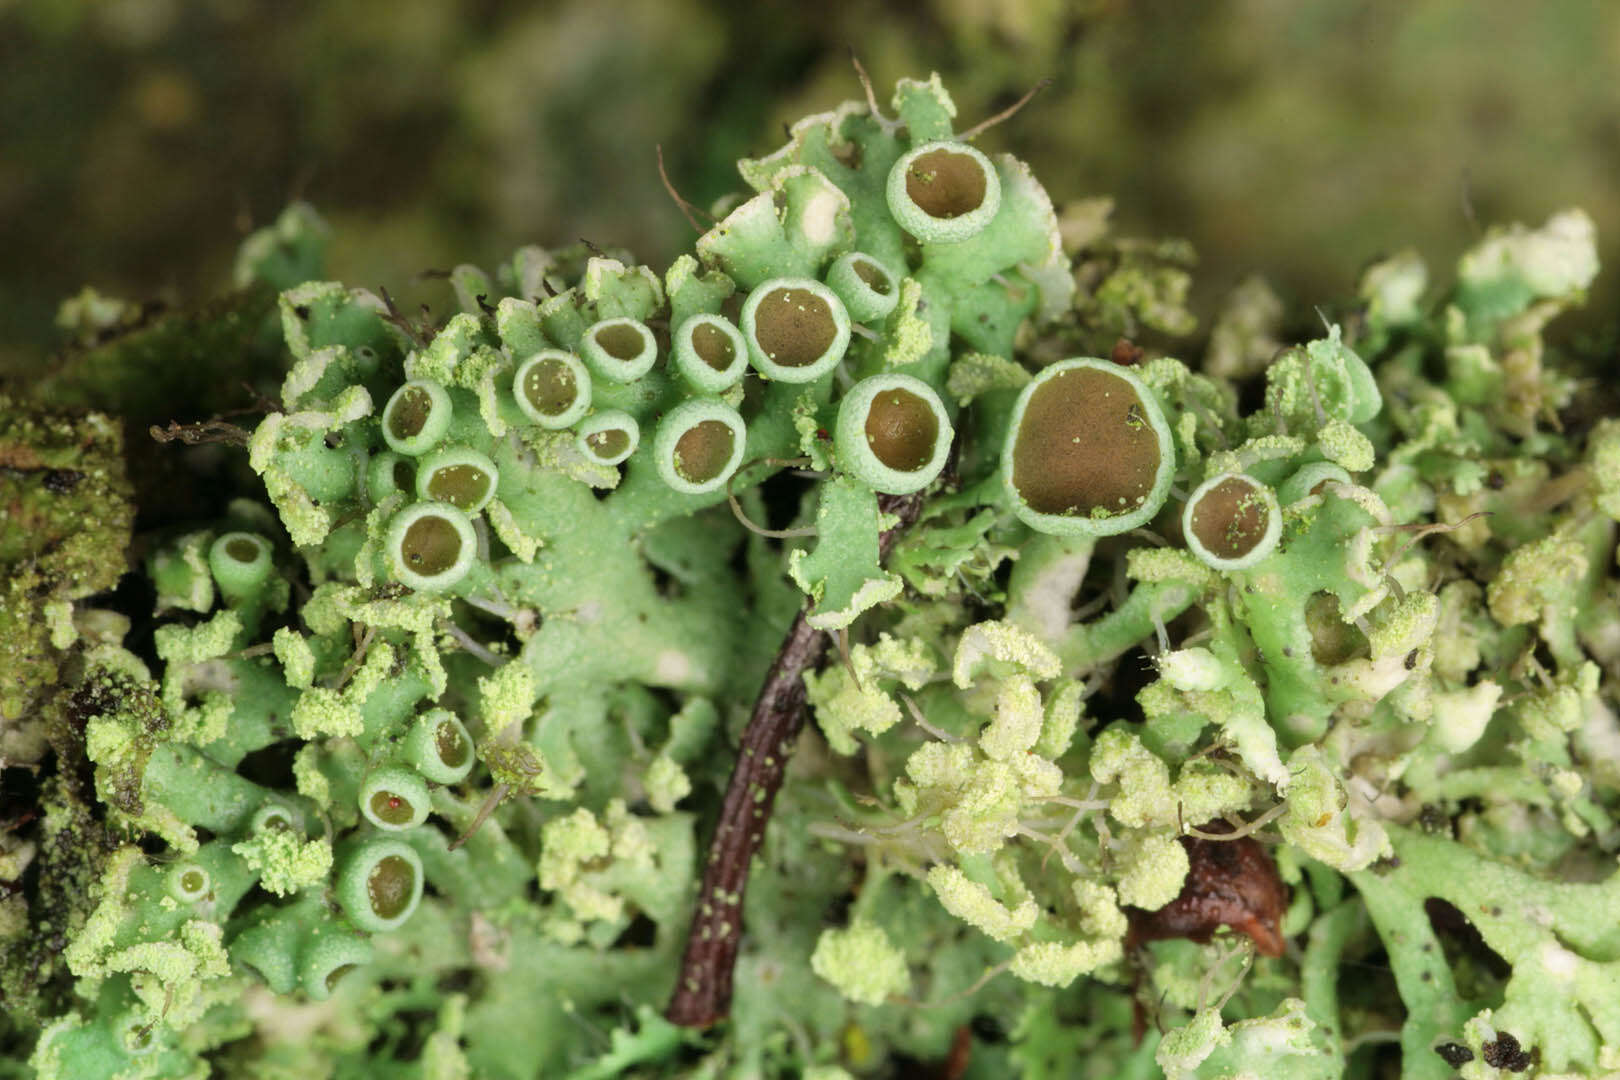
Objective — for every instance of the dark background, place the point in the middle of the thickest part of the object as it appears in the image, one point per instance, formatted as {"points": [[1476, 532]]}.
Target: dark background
{"points": [[139, 139]]}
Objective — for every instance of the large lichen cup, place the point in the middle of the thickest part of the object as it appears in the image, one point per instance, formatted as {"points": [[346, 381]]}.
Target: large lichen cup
{"points": [[619, 350], [1088, 451], [430, 546], [416, 417], [380, 883], [608, 437], [796, 328], [394, 798], [892, 433], [710, 352], [552, 388], [943, 192], [1231, 521], [699, 445], [462, 477]]}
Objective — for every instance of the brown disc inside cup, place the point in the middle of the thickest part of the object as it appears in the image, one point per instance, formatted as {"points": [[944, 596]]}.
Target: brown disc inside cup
{"points": [[946, 184], [901, 429], [1084, 446], [703, 450], [431, 546], [1230, 518], [794, 327]]}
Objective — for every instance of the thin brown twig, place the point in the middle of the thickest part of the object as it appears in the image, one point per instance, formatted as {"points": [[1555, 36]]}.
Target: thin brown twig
{"points": [[866, 86], [703, 986], [1005, 114], [362, 645], [688, 209], [1421, 530], [760, 530], [744, 520], [1238, 832], [849, 661], [203, 431], [397, 317], [496, 796]]}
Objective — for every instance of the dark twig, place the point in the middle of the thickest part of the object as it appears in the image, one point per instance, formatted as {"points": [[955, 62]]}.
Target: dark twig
{"points": [[866, 87], [496, 796], [1005, 114], [204, 431], [703, 988], [397, 318], [690, 210]]}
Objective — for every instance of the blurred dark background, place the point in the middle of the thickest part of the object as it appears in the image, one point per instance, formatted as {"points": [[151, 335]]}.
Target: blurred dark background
{"points": [[139, 139]]}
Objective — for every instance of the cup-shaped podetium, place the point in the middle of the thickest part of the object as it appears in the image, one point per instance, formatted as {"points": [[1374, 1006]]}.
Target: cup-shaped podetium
{"points": [[608, 437], [240, 563], [1231, 521], [796, 329], [1309, 480], [188, 883], [416, 417], [462, 477], [330, 952], [943, 192], [710, 352], [275, 815], [619, 350], [388, 473], [1089, 452], [439, 747], [866, 287], [552, 388], [394, 798], [430, 546], [380, 883], [892, 433], [699, 445]]}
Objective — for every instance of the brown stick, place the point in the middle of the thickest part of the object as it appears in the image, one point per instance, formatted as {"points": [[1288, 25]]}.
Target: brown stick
{"points": [[681, 203], [703, 988], [1005, 114]]}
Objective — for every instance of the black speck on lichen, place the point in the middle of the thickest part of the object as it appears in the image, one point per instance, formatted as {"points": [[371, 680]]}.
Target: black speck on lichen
{"points": [[1504, 1052], [1454, 1054]]}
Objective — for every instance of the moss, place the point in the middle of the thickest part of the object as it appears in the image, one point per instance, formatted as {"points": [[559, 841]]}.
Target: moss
{"points": [[69, 515]]}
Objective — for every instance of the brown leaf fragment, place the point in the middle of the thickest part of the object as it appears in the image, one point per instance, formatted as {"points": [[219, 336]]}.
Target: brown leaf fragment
{"points": [[1231, 883]]}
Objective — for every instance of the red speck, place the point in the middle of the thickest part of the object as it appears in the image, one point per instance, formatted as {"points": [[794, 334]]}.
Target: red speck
{"points": [[823, 434], [395, 802], [1126, 353]]}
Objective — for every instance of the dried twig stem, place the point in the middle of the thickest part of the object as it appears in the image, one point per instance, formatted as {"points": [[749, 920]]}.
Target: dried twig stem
{"points": [[691, 211], [204, 431], [703, 987], [1005, 114]]}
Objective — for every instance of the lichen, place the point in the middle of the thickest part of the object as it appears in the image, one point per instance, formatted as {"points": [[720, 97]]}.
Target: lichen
{"points": [[445, 756]]}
